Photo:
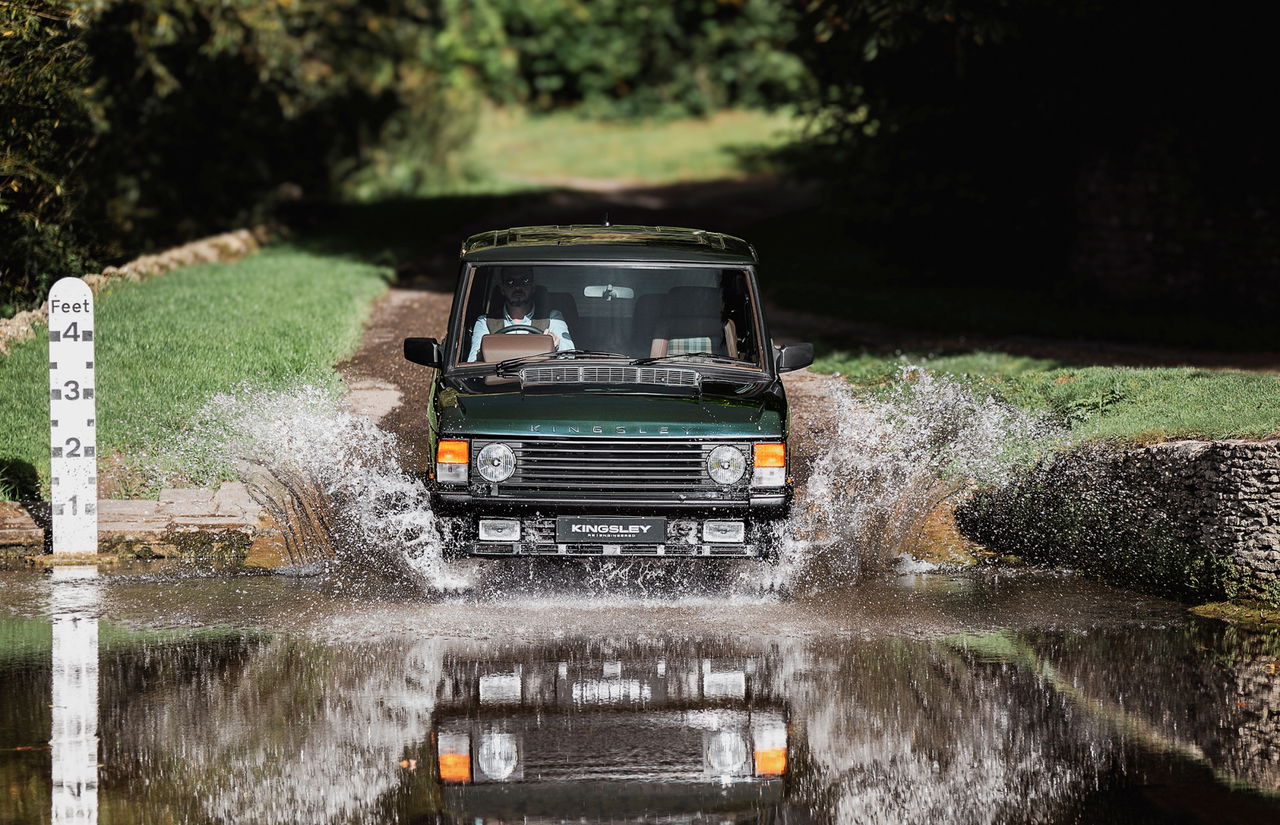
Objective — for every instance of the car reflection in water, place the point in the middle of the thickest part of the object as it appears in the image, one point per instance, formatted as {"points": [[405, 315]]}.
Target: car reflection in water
{"points": [[610, 740]]}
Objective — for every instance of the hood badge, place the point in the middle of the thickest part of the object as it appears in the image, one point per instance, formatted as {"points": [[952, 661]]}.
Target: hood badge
{"points": [[598, 429]]}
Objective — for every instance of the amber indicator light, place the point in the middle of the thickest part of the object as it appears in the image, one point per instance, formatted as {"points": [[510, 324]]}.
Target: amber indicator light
{"points": [[455, 767], [771, 762], [771, 455], [453, 452]]}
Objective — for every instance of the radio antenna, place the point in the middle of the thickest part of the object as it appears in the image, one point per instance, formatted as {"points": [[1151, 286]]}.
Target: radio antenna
{"points": [[606, 219]]}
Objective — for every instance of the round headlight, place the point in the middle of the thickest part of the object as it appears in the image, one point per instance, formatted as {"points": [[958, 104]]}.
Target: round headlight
{"points": [[726, 464], [499, 754], [726, 752], [496, 462]]}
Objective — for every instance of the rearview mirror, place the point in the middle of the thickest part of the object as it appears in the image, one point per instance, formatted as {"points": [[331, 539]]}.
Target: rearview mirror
{"points": [[424, 351], [793, 357], [608, 291]]}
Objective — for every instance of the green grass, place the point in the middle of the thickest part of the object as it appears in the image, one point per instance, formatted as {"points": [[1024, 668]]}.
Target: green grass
{"points": [[513, 151], [1139, 404], [1255, 616], [166, 345], [518, 147]]}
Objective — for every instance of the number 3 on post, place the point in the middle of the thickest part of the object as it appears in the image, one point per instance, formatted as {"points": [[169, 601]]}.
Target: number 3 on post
{"points": [[73, 463]]}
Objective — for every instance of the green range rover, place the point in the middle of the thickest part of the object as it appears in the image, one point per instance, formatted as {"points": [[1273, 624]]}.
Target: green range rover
{"points": [[608, 391]]}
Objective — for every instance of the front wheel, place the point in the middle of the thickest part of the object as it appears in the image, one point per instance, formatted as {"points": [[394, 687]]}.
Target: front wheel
{"points": [[454, 538], [769, 538]]}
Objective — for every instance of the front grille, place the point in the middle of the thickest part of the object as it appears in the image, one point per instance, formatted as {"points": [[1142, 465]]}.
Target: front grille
{"points": [[582, 374], [610, 470]]}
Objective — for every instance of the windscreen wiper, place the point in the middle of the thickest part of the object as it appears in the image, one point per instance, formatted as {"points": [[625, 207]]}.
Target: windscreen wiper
{"points": [[505, 366], [708, 356]]}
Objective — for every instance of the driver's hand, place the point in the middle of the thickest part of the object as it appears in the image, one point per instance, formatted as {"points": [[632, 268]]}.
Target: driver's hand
{"points": [[555, 339]]}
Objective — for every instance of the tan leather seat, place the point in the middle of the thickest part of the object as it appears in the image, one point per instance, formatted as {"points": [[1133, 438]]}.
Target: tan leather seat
{"points": [[693, 321]]}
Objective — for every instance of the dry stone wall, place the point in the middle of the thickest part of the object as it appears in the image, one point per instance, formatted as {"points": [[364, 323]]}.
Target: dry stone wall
{"points": [[1196, 520]]}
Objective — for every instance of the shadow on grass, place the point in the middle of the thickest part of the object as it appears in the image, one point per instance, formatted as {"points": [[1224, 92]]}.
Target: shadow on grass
{"points": [[19, 480], [850, 275], [419, 237], [812, 260]]}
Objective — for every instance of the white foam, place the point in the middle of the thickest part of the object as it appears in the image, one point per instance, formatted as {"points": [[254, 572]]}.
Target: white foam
{"points": [[330, 479], [886, 463], [333, 481]]}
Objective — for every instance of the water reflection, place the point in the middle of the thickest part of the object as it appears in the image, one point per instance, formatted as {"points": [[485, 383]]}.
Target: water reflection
{"points": [[631, 731], [1115, 722], [274, 730], [73, 741], [973, 729]]}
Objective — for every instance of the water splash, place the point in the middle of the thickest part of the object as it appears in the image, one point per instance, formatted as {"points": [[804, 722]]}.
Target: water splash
{"points": [[331, 480], [886, 465], [882, 467]]}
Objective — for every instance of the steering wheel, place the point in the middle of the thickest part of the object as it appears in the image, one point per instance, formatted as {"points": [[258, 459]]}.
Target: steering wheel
{"points": [[522, 328]]}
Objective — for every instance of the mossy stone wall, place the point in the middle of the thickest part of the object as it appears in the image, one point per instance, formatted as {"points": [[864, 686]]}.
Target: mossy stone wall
{"points": [[1192, 520]]}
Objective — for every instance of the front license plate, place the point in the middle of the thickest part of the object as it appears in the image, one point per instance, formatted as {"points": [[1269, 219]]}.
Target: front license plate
{"points": [[608, 530]]}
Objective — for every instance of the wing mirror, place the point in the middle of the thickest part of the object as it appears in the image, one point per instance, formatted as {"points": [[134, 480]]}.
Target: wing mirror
{"points": [[793, 357], [424, 351]]}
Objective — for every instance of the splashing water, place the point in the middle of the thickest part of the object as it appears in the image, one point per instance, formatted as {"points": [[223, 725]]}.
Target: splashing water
{"points": [[331, 480], [886, 465], [881, 468]]}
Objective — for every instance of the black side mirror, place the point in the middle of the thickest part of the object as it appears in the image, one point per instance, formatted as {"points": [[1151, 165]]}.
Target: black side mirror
{"points": [[793, 357], [424, 351]]}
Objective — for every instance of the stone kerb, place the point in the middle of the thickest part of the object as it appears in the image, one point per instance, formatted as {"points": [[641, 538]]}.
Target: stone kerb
{"points": [[188, 524], [224, 248]]}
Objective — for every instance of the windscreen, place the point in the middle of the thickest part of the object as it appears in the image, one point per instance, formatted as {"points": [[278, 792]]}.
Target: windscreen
{"points": [[691, 314]]}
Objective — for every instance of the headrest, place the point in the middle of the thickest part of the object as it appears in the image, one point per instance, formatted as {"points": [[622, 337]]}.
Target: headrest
{"points": [[694, 301]]}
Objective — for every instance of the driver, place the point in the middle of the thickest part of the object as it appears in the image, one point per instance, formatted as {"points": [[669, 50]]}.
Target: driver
{"points": [[517, 286]]}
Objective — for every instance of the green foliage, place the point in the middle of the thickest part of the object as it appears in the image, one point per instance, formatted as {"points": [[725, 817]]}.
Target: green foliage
{"points": [[130, 124], [650, 57], [135, 123], [1250, 619], [922, 279], [168, 344], [897, 79], [44, 72]]}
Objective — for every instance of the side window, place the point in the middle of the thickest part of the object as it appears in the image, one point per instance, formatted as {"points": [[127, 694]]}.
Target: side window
{"points": [[739, 319], [476, 305]]}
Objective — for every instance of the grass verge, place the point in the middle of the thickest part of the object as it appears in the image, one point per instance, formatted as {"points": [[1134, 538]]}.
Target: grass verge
{"points": [[1136, 404], [166, 345], [1249, 615]]}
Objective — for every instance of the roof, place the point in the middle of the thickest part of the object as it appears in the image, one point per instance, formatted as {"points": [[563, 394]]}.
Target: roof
{"points": [[593, 242]]}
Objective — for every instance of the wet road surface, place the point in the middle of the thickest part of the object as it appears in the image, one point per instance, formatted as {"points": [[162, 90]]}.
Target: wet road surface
{"points": [[969, 698]]}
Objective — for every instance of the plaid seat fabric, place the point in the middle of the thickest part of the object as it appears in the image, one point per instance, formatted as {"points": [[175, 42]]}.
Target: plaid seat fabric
{"points": [[684, 346]]}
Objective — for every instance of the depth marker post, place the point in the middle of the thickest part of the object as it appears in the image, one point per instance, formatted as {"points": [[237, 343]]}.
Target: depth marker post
{"points": [[73, 433]]}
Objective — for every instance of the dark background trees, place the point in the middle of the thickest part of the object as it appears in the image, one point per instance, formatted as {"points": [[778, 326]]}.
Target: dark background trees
{"points": [[129, 124], [1104, 155], [1115, 154]]}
